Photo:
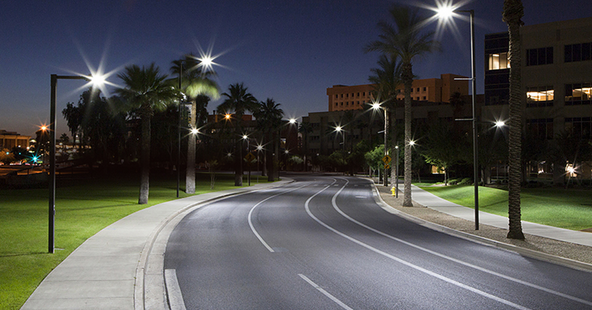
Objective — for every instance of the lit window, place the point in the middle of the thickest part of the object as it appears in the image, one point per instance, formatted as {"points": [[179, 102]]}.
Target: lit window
{"points": [[499, 61], [577, 94], [539, 96]]}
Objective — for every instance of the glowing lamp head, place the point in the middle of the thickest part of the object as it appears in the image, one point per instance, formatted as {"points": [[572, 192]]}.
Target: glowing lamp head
{"points": [[375, 105], [245, 137], [259, 147], [194, 131], [97, 80], [500, 124], [227, 116], [292, 121], [412, 143], [338, 129], [444, 11]]}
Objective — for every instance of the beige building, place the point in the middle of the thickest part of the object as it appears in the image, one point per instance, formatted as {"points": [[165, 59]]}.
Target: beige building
{"points": [[344, 98], [8, 140]]}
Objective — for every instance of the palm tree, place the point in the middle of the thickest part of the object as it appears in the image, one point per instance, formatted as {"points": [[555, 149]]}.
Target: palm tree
{"points": [[305, 128], [386, 80], [269, 120], [405, 40], [512, 14], [146, 90], [195, 82], [239, 100], [73, 116]]}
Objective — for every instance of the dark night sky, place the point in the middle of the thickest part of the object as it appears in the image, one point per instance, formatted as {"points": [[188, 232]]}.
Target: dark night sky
{"points": [[289, 50]]}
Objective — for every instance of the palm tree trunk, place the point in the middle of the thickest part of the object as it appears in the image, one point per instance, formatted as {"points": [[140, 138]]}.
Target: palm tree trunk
{"points": [[394, 153], [513, 12], [276, 155], [190, 172], [387, 131], [145, 155], [407, 77]]}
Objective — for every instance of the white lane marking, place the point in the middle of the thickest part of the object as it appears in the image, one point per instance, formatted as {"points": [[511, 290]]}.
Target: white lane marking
{"points": [[251, 221], [173, 290], [320, 289], [573, 298], [404, 262]]}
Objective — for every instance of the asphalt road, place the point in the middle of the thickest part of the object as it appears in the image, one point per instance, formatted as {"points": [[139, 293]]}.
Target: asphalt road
{"points": [[324, 243]]}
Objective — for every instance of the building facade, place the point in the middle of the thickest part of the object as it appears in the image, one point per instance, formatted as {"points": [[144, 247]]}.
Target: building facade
{"points": [[344, 98], [9, 140], [556, 82]]}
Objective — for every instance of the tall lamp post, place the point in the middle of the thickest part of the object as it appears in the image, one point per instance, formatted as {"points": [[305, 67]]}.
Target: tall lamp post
{"points": [[447, 12], [376, 106], [93, 80]]}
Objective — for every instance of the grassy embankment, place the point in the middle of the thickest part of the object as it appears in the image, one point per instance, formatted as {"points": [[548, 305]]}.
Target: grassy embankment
{"points": [[83, 207], [559, 207]]}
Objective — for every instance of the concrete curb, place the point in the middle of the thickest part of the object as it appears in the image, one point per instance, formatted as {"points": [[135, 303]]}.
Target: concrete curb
{"points": [[509, 247]]}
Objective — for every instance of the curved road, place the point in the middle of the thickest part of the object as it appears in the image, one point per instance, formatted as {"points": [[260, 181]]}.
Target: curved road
{"points": [[324, 243]]}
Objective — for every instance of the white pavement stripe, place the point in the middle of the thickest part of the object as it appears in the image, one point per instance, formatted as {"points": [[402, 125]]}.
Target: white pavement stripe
{"points": [[251, 221], [320, 289], [404, 262], [573, 298], [173, 290]]}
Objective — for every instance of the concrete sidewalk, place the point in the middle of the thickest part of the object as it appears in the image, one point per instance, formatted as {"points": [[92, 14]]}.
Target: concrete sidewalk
{"points": [[117, 268], [426, 199]]}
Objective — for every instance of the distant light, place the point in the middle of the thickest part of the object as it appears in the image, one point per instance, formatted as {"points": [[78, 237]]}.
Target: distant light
{"points": [[292, 121], [227, 116], [412, 143], [338, 128], [375, 106], [229, 154], [500, 124], [259, 147], [245, 137], [286, 151], [43, 128], [194, 131]]}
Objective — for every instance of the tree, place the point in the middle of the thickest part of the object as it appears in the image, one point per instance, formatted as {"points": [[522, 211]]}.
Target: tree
{"points": [[441, 147], [269, 119], [512, 15], [374, 157], [73, 116], [305, 129], [146, 90], [239, 100], [195, 83], [405, 40], [386, 80]]}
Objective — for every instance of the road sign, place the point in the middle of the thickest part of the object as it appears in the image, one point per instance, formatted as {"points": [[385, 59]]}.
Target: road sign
{"points": [[387, 166], [250, 157], [386, 159]]}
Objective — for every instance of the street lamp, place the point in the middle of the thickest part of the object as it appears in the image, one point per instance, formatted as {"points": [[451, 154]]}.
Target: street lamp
{"points": [[95, 80], [339, 129], [445, 12], [376, 106]]}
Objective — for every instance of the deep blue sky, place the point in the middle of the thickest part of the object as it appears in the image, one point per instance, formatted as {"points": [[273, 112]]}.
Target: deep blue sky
{"points": [[289, 50]]}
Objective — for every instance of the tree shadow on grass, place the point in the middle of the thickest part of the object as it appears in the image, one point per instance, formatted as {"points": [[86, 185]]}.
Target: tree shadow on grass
{"points": [[21, 254]]}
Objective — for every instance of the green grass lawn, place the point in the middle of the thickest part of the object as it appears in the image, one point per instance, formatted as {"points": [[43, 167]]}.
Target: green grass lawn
{"points": [[83, 207], [565, 208]]}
